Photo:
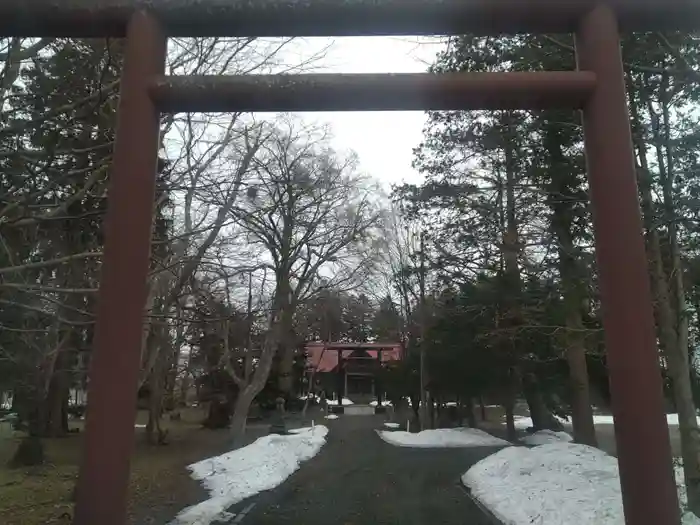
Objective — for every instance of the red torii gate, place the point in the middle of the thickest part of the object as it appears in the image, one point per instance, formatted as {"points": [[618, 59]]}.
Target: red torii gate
{"points": [[597, 88]]}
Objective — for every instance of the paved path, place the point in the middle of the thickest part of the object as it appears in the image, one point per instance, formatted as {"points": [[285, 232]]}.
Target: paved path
{"points": [[359, 479]]}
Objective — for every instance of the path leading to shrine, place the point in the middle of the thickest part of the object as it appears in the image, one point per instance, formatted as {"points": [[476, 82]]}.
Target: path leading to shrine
{"points": [[357, 478]]}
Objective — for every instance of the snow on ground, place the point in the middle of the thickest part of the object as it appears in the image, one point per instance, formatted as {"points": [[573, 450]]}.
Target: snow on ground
{"points": [[391, 425], [544, 437], [555, 484], [302, 430], [442, 438], [384, 403], [332, 416], [244, 472], [346, 401], [522, 422], [305, 396], [603, 419]]}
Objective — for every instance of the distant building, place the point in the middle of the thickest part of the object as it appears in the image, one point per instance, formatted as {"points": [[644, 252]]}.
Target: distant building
{"points": [[350, 369]]}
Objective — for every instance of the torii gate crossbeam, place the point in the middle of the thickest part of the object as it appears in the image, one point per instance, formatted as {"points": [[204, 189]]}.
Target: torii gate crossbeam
{"points": [[649, 493]]}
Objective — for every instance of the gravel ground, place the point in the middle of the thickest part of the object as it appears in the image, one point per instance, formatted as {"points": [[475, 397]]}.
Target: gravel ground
{"points": [[357, 479]]}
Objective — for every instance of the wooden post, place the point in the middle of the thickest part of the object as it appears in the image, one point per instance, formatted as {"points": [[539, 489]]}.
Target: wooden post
{"points": [[116, 358], [643, 448]]}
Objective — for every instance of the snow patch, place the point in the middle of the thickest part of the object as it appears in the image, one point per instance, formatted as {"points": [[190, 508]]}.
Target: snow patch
{"points": [[554, 484], [544, 437], [391, 425], [607, 419], [301, 430], [522, 422], [442, 438], [304, 397], [384, 403], [332, 416], [239, 474], [346, 402]]}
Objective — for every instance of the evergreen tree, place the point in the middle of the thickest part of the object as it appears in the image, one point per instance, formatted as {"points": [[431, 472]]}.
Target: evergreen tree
{"points": [[58, 130]]}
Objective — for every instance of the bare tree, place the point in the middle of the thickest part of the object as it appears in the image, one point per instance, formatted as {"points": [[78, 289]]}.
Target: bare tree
{"points": [[210, 158], [314, 217], [205, 162]]}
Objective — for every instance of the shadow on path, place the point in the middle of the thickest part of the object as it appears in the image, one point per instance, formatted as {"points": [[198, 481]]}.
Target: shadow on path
{"points": [[359, 479]]}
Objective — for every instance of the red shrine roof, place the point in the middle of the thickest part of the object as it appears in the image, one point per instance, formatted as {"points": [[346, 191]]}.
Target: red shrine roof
{"points": [[326, 361]]}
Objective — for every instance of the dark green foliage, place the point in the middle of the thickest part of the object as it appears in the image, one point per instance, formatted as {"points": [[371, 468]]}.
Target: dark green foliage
{"points": [[57, 129]]}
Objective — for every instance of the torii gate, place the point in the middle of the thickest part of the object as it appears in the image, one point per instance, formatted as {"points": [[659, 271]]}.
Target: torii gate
{"points": [[597, 88]]}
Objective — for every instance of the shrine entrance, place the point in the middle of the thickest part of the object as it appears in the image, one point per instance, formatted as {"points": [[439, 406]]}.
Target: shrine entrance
{"points": [[359, 385], [597, 89], [351, 373]]}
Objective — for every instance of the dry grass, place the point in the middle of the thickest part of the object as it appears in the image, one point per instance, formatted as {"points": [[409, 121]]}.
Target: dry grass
{"points": [[41, 496]]}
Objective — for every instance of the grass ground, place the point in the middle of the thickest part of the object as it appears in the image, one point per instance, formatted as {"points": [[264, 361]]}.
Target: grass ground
{"points": [[43, 495]]}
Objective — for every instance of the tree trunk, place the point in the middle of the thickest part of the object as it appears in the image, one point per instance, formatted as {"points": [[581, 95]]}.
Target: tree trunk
{"points": [[415, 408], [185, 382], [286, 368], [509, 407], [676, 354], [432, 411], [218, 414], [49, 415], [285, 338], [482, 408], [30, 453], [681, 374], [56, 401], [240, 413], [471, 417], [281, 319], [171, 372], [154, 433], [159, 341], [55, 410], [535, 403], [679, 371], [582, 412], [184, 387], [511, 315], [28, 402], [562, 202]]}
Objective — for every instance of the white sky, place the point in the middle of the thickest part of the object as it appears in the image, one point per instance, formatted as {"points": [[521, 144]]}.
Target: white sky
{"points": [[383, 140]]}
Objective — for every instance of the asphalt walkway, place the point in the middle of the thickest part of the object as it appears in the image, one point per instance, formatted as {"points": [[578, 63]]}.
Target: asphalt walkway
{"points": [[359, 479]]}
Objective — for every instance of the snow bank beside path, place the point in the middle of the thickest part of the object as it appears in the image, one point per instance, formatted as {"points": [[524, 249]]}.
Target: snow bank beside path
{"points": [[555, 484], [442, 438], [544, 437], [244, 472]]}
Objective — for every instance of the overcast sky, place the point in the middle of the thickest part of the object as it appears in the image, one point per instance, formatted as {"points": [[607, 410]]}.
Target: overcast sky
{"points": [[383, 140]]}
